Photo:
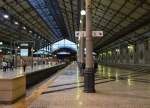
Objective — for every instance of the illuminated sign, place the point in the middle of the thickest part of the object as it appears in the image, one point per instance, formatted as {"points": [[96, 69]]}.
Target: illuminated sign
{"points": [[24, 52], [94, 33], [24, 44]]}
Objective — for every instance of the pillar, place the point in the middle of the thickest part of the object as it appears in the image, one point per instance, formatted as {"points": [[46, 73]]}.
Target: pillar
{"points": [[78, 53], [89, 74], [140, 52], [113, 56], [124, 54], [147, 52], [81, 41], [135, 54], [82, 64]]}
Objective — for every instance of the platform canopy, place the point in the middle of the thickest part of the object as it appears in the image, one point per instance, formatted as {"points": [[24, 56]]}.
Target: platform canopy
{"points": [[48, 21]]}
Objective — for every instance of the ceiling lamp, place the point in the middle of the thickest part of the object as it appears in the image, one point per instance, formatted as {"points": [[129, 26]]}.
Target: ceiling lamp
{"points": [[24, 27], [6, 16], [1, 43], [30, 31], [83, 12], [16, 23]]}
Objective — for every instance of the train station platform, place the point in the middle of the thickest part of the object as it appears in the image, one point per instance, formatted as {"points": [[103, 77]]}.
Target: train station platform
{"points": [[14, 83], [9, 73], [115, 88], [18, 70]]}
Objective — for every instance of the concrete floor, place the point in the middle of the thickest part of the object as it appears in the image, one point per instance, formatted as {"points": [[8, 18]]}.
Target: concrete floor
{"points": [[115, 88]]}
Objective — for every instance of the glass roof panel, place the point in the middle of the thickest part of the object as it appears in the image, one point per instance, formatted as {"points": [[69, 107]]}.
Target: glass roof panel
{"points": [[60, 44], [45, 9], [64, 43]]}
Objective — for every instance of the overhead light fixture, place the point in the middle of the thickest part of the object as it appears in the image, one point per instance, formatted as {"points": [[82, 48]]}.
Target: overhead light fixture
{"points": [[80, 21], [118, 50], [24, 27], [18, 46], [16, 22], [1, 43], [83, 12], [30, 31], [6, 16]]}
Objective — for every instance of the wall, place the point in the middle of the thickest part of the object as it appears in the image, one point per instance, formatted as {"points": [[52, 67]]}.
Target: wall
{"points": [[129, 54]]}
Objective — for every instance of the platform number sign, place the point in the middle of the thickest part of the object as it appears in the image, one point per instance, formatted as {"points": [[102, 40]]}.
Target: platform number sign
{"points": [[94, 33]]}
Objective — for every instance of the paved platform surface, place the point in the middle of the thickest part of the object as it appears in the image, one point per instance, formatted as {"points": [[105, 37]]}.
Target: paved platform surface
{"points": [[115, 88], [19, 71]]}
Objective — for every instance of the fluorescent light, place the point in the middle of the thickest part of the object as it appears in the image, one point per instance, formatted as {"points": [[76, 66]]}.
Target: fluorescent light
{"points": [[83, 12], [16, 22], [6, 16]]}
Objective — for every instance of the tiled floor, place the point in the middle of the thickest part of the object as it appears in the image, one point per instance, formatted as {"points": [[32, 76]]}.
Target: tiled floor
{"points": [[115, 88]]}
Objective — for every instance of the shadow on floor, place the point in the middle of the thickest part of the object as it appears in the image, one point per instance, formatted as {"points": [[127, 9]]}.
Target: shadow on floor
{"points": [[98, 78], [75, 86]]}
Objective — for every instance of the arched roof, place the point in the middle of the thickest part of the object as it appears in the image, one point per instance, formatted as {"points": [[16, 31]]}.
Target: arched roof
{"points": [[122, 21]]}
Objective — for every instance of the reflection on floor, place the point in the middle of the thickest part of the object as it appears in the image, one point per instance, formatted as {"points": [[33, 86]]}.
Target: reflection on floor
{"points": [[115, 88]]}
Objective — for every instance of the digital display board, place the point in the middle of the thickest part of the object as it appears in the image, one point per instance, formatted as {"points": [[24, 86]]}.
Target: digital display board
{"points": [[24, 52]]}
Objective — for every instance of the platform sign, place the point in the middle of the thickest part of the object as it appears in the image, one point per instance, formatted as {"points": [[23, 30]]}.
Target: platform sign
{"points": [[24, 44], [94, 33], [80, 33], [97, 33], [24, 52]]}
